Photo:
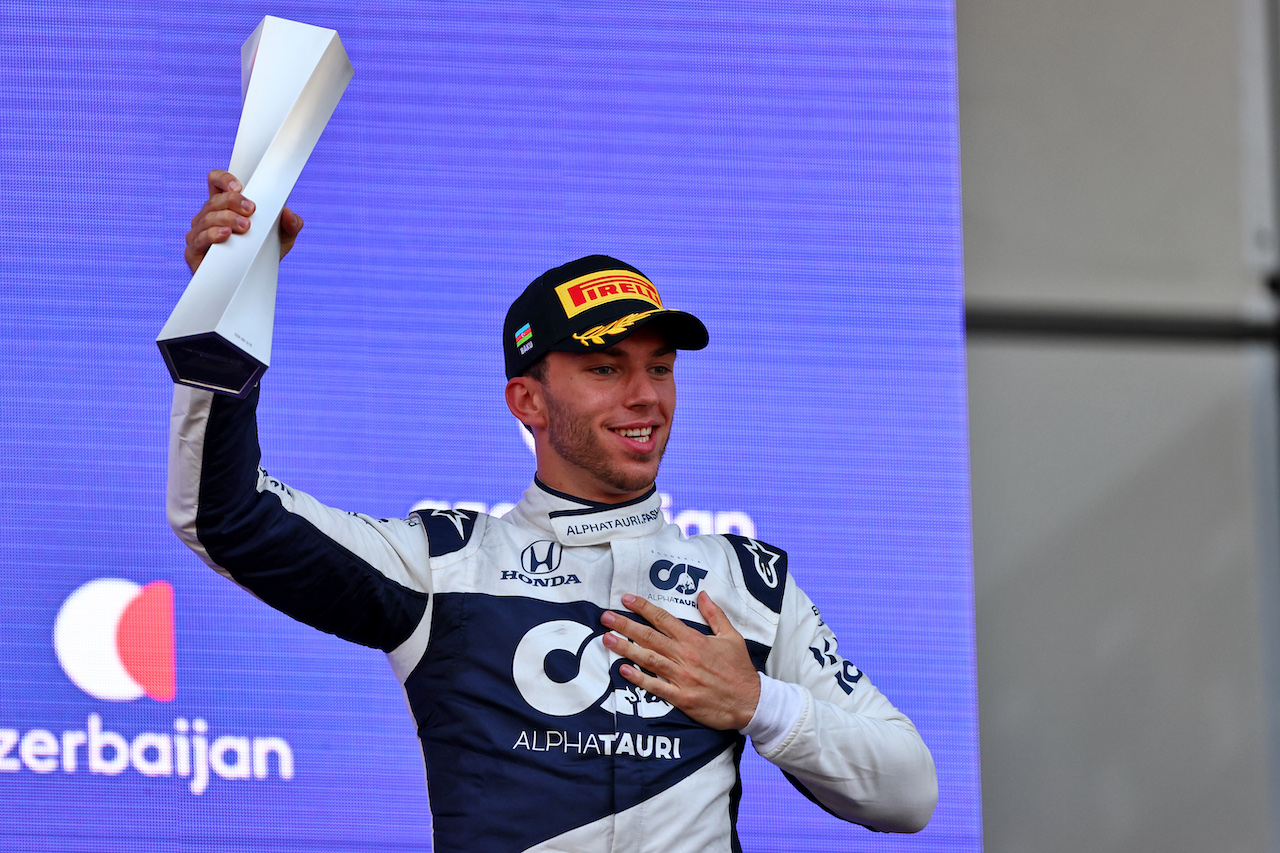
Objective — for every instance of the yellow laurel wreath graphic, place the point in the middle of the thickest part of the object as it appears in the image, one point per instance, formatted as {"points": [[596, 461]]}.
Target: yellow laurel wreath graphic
{"points": [[617, 327]]}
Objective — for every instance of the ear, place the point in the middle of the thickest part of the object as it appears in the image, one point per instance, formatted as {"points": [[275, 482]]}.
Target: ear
{"points": [[525, 400]]}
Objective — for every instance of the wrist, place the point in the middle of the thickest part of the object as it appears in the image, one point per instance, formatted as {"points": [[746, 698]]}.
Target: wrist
{"points": [[751, 705], [778, 707]]}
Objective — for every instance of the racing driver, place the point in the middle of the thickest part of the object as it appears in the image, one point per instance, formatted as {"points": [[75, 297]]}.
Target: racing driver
{"points": [[560, 706]]}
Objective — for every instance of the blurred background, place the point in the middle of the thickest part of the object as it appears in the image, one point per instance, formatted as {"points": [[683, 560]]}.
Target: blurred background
{"points": [[1119, 192], [787, 171], [1118, 167]]}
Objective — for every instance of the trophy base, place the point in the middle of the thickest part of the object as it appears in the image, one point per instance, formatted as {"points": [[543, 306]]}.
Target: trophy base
{"points": [[209, 361]]}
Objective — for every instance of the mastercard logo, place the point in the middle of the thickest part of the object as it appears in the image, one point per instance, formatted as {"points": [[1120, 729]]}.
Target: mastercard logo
{"points": [[114, 639]]}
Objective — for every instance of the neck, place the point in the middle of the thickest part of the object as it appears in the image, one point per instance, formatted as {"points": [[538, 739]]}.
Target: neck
{"points": [[598, 502]]}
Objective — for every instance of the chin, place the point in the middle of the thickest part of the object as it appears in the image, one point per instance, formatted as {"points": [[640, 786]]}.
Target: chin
{"points": [[628, 481]]}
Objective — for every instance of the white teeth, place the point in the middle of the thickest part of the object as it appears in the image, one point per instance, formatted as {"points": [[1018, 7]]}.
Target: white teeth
{"points": [[640, 434]]}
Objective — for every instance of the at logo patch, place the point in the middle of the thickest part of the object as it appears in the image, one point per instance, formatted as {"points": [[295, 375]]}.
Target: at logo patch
{"points": [[523, 335], [764, 569], [679, 577], [561, 668]]}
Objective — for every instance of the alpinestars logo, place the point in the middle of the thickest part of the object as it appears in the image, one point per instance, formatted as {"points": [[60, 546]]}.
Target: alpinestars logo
{"points": [[115, 641], [765, 561], [561, 669], [456, 516]]}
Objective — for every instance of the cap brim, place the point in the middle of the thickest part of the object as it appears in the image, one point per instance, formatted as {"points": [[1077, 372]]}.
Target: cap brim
{"points": [[681, 329]]}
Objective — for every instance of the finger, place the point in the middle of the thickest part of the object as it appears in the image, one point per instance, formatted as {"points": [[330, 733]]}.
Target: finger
{"points": [[290, 223], [220, 181], [659, 687], [655, 616], [221, 219], [198, 244], [716, 618], [641, 634], [228, 201], [200, 241], [200, 238], [647, 658]]}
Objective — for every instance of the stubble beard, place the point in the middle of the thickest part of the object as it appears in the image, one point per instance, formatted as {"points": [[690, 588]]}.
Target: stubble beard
{"points": [[573, 439]]}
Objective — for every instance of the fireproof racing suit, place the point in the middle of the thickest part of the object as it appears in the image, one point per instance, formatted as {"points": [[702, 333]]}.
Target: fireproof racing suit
{"points": [[532, 739]]}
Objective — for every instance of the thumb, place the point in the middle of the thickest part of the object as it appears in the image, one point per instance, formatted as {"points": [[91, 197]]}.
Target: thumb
{"points": [[719, 622], [290, 222]]}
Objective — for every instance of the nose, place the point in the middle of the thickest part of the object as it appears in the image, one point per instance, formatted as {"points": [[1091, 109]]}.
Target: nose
{"points": [[642, 390]]}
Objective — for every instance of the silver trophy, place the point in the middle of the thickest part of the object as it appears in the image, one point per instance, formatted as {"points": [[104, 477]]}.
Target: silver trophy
{"points": [[219, 334]]}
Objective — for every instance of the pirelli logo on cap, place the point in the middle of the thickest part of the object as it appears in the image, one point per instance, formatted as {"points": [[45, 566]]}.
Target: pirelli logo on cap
{"points": [[597, 288]]}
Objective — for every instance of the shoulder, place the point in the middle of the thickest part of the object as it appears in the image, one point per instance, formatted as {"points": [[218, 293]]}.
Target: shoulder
{"points": [[762, 568], [449, 530]]}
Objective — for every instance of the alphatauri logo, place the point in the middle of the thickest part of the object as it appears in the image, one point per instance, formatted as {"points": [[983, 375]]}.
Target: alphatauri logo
{"points": [[114, 640], [581, 680], [680, 577], [561, 669]]}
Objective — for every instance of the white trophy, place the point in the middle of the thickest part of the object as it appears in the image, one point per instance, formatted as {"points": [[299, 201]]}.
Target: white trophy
{"points": [[219, 334]]}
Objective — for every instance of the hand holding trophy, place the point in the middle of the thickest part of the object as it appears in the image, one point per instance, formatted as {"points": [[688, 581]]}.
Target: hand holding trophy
{"points": [[228, 212], [219, 334]]}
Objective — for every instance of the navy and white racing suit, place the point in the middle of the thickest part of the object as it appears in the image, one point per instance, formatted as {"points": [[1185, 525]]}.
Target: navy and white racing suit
{"points": [[532, 739]]}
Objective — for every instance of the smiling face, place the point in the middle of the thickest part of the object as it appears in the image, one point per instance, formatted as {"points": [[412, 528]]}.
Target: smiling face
{"points": [[601, 420]]}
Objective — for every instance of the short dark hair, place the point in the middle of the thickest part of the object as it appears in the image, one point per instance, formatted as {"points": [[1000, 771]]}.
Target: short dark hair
{"points": [[537, 370]]}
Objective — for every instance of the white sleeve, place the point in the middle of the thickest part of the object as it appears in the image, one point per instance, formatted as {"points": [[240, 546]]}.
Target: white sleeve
{"points": [[777, 712], [855, 753], [364, 579]]}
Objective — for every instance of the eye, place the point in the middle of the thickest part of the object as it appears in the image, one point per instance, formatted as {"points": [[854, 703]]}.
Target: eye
{"points": [[602, 369], [661, 370]]}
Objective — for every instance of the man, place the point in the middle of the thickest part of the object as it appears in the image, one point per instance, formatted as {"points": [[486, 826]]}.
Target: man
{"points": [[549, 718]]}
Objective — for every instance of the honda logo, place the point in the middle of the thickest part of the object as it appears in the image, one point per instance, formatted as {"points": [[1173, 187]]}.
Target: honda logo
{"points": [[541, 558]]}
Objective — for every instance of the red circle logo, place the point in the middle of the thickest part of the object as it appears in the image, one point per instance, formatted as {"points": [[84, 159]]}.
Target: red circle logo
{"points": [[114, 639]]}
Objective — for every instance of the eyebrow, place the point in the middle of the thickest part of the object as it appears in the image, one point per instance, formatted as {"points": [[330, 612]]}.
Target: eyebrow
{"points": [[616, 352]]}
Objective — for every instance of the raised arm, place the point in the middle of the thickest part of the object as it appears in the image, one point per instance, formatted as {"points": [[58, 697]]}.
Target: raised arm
{"points": [[361, 578]]}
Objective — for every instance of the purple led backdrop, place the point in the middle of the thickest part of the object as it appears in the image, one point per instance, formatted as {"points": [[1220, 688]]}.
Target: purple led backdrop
{"points": [[788, 172]]}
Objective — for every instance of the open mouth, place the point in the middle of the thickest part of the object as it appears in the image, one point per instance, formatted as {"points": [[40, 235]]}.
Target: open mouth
{"points": [[640, 434]]}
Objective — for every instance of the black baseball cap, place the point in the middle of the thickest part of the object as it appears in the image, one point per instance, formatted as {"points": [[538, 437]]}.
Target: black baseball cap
{"points": [[586, 305]]}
